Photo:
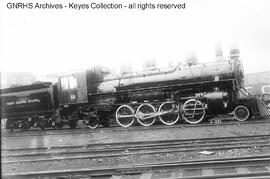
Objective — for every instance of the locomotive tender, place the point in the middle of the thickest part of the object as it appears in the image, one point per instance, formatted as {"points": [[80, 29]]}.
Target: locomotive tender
{"points": [[30, 105], [191, 92]]}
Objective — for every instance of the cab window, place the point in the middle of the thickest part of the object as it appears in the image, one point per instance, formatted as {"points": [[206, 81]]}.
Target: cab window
{"points": [[64, 83], [68, 83], [72, 82]]}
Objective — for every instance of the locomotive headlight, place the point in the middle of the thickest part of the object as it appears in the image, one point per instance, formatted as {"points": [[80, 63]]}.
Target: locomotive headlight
{"points": [[216, 78]]}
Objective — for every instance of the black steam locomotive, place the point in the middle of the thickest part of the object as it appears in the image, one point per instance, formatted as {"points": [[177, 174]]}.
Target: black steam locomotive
{"points": [[192, 92]]}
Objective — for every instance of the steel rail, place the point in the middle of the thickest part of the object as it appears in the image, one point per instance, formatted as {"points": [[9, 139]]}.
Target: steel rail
{"points": [[123, 154], [251, 175], [118, 151], [157, 145], [165, 142], [157, 166]]}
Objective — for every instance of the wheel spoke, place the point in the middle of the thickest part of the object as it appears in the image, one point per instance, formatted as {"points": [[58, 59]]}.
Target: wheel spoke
{"points": [[194, 111], [144, 114], [171, 115], [241, 113], [124, 116]]}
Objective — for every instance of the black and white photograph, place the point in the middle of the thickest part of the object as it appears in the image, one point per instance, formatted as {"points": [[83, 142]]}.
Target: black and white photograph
{"points": [[134, 89]]}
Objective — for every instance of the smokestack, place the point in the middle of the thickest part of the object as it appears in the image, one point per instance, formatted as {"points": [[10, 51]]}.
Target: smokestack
{"points": [[218, 52]]}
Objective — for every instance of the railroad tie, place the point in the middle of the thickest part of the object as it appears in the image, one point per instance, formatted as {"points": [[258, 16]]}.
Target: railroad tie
{"points": [[208, 172], [116, 177], [268, 168], [147, 175], [241, 170]]}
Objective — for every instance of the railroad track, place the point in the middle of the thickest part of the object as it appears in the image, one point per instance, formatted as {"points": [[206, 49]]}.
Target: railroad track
{"points": [[115, 128], [96, 152], [237, 167]]}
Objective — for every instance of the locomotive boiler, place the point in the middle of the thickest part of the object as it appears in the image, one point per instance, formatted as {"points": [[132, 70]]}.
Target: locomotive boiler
{"points": [[191, 92]]}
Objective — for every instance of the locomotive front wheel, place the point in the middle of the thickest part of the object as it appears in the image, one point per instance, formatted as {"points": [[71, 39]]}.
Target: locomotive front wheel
{"points": [[124, 116], [144, 113], [241, 113], [171, 113], [194, 111]]}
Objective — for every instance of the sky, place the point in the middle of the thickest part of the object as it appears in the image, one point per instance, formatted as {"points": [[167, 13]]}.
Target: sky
{"points": [[55, 41]]}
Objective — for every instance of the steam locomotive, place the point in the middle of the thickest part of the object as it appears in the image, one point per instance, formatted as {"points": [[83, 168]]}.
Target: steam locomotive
{"points": [[192, 92]]}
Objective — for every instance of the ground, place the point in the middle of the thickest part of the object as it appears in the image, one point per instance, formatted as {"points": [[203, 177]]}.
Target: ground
{"points": [[84, 137], [108, 136]]}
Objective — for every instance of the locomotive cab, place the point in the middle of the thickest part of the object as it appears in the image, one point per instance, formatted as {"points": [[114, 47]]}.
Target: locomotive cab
{"points": [[72, 93], [72, 89]]}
